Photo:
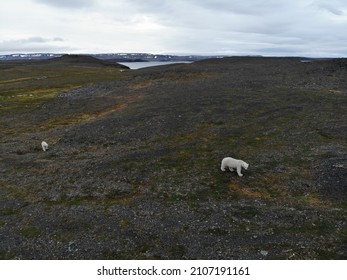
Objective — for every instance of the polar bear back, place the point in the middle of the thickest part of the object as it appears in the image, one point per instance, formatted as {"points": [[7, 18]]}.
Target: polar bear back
{"points": [[230, 162], [233, 163]]}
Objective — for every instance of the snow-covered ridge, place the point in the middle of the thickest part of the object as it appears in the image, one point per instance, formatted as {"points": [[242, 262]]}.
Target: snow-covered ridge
{"points": [[115, 56]]}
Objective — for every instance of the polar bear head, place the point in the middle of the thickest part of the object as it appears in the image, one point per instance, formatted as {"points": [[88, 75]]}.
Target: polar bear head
{"points": [[245, 165]]}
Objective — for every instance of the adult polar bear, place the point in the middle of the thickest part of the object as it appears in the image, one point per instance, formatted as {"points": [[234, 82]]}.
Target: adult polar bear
{"points": [[232, 163]]}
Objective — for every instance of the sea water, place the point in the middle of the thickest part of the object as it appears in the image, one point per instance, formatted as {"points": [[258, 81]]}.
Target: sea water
{"points": [[138, 65]]}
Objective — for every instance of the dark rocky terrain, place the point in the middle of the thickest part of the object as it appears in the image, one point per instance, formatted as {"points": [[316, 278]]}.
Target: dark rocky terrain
{"points": [[133, 166]]}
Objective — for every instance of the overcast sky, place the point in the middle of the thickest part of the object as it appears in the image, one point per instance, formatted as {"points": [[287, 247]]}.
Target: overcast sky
{"points": [[314, 28]]}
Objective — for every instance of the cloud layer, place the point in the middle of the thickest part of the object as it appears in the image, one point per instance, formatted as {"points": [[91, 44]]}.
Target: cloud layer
{"points": [[221, 27]]}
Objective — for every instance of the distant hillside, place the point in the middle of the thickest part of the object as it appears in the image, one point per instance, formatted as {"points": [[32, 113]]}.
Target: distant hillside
{"points": [[85, 60]]}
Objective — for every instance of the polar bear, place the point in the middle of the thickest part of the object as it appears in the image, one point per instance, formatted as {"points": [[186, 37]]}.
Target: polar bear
{"points": [[232, 163], [44, 146]]}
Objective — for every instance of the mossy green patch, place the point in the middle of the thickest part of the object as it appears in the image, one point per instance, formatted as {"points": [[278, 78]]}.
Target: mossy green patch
{"points": [[30, 231], [6, 255]]}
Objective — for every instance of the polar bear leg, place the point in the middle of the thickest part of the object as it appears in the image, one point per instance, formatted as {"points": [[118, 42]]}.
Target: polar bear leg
{"points": [[239, 171], [231, 169]]}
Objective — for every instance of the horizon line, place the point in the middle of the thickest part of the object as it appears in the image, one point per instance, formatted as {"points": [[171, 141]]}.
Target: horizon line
{"points": [[174, 55]]}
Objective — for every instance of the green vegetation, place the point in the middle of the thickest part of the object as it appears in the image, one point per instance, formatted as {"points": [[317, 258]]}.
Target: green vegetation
{"points": [[30, 232], [25, 85]]}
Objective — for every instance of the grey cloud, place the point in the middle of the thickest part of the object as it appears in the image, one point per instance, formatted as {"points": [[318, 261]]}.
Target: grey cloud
{"points": [[271, 26], [73, 4], [334, 7], [253, 7], [57, 39], [331, 9], [29, 40], [264, 27], [31, 44], [236, 16], [234, 6], [33, 40]]}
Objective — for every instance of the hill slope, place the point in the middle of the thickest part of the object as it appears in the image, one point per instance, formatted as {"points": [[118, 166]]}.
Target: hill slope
{"points": [[133, 168], [83, 60]]}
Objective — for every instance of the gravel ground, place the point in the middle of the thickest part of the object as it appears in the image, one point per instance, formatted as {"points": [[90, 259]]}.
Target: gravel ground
{"points": [[133, 166]]}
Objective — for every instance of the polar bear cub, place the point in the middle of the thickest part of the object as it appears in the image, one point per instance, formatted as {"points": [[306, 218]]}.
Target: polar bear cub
{"points": [[44, 146], [232, 163]]}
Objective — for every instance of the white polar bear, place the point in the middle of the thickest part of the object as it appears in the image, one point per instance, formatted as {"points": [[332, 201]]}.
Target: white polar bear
{"points": [[232, 163], [44, 146]]}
